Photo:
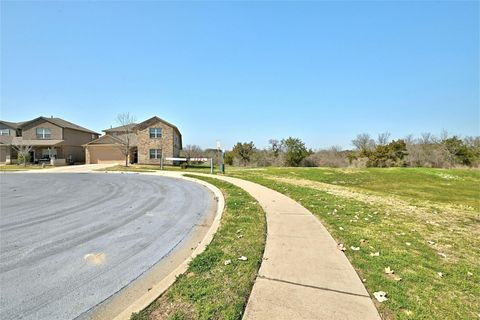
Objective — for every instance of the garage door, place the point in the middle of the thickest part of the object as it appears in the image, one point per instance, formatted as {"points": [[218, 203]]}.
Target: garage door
{"points": [[3, 154], [105, 155]]}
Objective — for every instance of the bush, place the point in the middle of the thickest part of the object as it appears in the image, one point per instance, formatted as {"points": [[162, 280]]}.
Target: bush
{"points": [[24, 158]]}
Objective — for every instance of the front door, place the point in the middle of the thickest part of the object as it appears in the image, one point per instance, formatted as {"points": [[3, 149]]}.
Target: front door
{"points": [[135, 156], [32, 156]]}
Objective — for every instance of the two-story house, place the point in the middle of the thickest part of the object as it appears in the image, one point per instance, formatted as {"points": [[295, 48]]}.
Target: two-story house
{"points": [[148, 141], [49, 138]]}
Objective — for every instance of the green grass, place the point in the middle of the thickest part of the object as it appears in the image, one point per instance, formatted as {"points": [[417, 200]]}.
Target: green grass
{"points": [[210, 289], [16, 167], [381, 210], [152, 168]]}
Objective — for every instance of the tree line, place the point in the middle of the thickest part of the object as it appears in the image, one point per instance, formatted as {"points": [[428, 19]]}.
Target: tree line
{"points": [[428, 150]]}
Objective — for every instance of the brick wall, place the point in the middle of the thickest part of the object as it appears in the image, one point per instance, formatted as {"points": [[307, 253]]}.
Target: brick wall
{"points": [[145, 143]]}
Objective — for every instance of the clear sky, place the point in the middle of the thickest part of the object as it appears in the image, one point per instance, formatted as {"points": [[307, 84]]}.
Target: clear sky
{"points": [[241, 71]]}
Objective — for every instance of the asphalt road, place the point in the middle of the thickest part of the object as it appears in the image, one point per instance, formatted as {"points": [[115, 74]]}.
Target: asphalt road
{"points": [[69, 241]]}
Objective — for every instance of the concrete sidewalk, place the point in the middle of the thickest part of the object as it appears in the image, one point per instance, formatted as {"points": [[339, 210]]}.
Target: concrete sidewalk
{"points": [[303, 274], [76, 168]]}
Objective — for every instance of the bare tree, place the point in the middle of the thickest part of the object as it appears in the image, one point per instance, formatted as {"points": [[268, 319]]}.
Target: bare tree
{"points": [[23, 151], [126, 122], [383, 138], [275, 147], [192, 151], [409, 139], [363, 142], [426, 138]]}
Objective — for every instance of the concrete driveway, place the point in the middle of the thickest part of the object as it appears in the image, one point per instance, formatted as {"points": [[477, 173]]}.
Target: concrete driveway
{"points": [[69, 241]]}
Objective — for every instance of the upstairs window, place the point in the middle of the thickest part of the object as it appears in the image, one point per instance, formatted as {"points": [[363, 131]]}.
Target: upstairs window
{"points": [[4, 132], [44, 133], [155, 153], [155, 133]]}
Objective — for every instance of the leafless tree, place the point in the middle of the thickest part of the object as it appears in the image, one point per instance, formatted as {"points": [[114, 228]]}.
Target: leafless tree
{"points": [[192, 151], [409, 139], [126, 122], [363, 142], [426, 138], [331, 157], [383, 138], [275, 146], [23, 151]]}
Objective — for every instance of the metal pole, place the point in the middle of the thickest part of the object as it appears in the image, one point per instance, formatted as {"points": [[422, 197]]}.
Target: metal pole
{"points": [[211, 165], [161, 162]]}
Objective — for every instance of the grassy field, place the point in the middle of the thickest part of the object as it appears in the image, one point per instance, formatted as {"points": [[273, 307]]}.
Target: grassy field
{"points": [[422, 223], [213, 288]]}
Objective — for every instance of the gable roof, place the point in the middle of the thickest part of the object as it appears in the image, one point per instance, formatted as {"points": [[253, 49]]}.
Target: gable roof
{"points": [[146, 123], [121, 128], [109, 140], [59, 122], [13, 125], [7, 140], [10, 140]]}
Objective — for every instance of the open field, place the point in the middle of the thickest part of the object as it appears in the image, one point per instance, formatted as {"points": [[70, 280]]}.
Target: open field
{"points": [[212, 288], [422, 223]]}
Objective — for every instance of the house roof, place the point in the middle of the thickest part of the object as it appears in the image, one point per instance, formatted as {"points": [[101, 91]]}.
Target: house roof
{"points": [[146, 123], [59, 122], [118, 140], [9, 140], [13, 125], [121, 128], [6, 139]]}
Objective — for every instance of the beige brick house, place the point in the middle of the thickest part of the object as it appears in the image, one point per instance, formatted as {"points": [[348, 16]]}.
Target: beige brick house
{"points": [[148, 141], [50, 138]]}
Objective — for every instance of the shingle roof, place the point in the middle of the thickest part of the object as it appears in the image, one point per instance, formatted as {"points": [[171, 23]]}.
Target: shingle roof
{"points": [[6, 140], [147, 122], [13, 125], [121, 128], [9, 140], [108, 139], [61, 123]]}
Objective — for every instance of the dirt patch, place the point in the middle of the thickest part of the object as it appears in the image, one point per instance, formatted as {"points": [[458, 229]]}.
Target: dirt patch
{"points": [[168, 310]]}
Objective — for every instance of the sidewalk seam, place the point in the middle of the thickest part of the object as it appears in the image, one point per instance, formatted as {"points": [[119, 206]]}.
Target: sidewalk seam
{"points": [[313, 287]]}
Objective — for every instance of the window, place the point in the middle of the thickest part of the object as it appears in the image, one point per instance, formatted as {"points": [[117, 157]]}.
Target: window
{"points": [[48, 153], [155, 133], [4, 132], [155, 153], [44, 133], [175, 140]]}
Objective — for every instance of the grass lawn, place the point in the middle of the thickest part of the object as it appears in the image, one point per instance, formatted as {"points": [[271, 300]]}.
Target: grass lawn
{"points": [[423, 223], [16, 167], [212, 289], [152, 168]]}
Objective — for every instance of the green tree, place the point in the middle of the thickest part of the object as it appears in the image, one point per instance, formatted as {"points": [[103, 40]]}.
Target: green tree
{"points": [[295, 150], [228, 158], [388, 155], [460, 153], [244, 151]]}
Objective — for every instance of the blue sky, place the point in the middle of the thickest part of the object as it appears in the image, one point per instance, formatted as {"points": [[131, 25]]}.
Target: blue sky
{"points": [[242, 71]]}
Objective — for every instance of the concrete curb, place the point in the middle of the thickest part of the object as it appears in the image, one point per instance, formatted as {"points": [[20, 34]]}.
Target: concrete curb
{"points": [[158, 289]]}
